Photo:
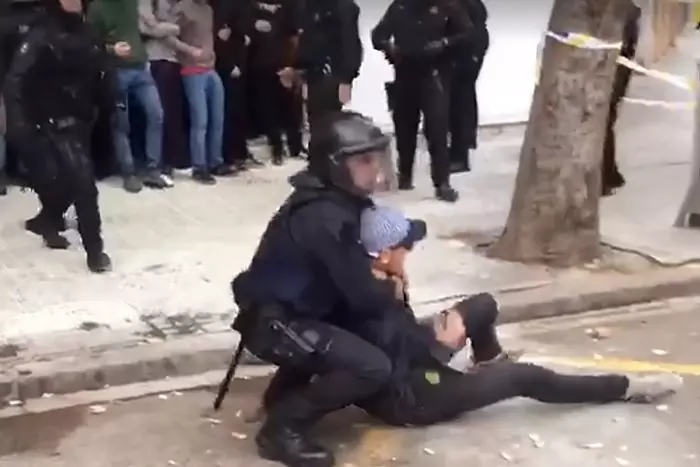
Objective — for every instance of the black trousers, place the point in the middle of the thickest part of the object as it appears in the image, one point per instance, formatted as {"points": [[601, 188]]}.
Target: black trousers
{"points": [[464, 108], [322, 97], [280, 110], [424, 92], [456, 393], [235, 117], [60, 170], [453, 393], [169, 83], [342, 369]]}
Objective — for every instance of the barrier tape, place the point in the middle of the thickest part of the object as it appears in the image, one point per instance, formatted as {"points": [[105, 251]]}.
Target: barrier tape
{"points": [[663, 104], [584, 41]]}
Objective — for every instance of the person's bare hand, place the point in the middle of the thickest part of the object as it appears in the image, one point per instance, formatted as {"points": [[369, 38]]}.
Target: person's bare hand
{"points": [[224, 34], [287, 76], [122, 49], [197, 53], [344, 93], [449, 330]]}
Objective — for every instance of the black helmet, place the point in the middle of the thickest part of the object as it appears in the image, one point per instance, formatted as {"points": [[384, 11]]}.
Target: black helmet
{"points": [[335, 138]]}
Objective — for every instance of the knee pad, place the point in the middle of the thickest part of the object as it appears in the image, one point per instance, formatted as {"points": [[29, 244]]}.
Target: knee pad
{"points": [[478, 311]]}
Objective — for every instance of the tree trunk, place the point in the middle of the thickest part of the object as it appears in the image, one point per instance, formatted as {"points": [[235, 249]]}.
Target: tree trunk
{"points": [[554, 212]]}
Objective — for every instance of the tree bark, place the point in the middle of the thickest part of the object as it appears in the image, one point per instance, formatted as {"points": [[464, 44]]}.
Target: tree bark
{"points": [[553, 217]]}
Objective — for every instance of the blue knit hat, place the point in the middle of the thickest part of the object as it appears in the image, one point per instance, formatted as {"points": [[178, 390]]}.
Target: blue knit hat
{"points": [[384, 228]]}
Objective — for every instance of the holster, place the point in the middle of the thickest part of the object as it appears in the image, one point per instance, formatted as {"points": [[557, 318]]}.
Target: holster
{"points": [[271, 336]]}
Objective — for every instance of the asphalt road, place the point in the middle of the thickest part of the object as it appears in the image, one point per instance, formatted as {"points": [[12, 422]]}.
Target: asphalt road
{"points": [[175, 429]]}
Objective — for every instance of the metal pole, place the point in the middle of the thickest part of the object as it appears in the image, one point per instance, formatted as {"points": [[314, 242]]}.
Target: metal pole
{"points": [[691, 202]]}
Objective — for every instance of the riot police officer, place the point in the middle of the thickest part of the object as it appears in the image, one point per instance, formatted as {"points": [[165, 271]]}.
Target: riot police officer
{"points": [[308, 272], [50, 122], [273, 30], [416, 36], [464, 109], [329, 54]]}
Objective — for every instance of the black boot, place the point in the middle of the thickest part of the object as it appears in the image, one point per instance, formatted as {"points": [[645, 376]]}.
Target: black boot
{"points": [[99, 262], [277, 156], [3, 183], [405, 183], [289, 447], [446, 193], [48, 231]]}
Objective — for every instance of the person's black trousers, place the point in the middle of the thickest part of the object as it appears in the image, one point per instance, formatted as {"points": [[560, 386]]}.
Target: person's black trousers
{"points": [[345, 370], [169, 83], [415, 93], [60, 170], [464, 109], [322, 97], [235, 117], [280, 110]]}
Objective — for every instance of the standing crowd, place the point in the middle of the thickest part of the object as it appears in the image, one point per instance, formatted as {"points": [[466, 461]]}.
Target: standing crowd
{"points": [[192, 66]]}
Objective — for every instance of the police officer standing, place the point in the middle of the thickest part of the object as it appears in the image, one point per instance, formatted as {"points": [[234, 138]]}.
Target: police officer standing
{"points": [[464, 109], [51, 121], [273, 29], [329, 54], [309, 271], [416, 36]]}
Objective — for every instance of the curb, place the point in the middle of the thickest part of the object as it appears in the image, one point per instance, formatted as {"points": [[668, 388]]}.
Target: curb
{"points": [[204, 353]]}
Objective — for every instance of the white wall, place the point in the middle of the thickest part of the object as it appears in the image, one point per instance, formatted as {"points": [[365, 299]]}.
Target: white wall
{"points": [[507, 79]]}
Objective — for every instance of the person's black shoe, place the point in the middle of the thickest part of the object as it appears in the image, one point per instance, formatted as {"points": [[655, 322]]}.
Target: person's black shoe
{"points": [[3, 183], [446, 193], [223, 170], [291, 448], [99, 262], [405, 183], [132, 183], [49, 233], [154, 179], [203, 177]]}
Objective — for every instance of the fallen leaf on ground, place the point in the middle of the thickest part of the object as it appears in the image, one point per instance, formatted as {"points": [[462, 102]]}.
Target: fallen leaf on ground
{"points": [[622, 461], [662, 408], [97, 409], [163, 397], [213, 421], [593, 446], [659, 352], [598, 333], [240, 436], [506, 457], [429, 451]]}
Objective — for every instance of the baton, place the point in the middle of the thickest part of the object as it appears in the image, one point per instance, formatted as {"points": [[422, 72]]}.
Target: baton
{"points": [[226, 382]]}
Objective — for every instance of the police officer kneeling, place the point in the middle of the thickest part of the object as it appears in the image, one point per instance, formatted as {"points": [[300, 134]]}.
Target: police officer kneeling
{"points": [[310, 270]]}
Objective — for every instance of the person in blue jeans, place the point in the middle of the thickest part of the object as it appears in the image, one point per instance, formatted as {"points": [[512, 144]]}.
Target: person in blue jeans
{"points": [[117, 22], [204, 91]]}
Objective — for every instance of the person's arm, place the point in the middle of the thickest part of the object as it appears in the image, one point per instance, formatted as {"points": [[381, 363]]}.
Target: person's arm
{"points": [[383, 33], [350, 41], [460, 28], [24, 65], [333, 243], [106, 90], [149, 24], [181, 13]]}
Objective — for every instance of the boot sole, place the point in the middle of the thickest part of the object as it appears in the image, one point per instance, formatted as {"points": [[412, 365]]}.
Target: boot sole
{"points": [[270, 454]]}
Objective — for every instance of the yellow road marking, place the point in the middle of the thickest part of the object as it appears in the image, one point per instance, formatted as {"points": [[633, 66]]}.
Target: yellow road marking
{"points": [[377, 446], [615, 364]]}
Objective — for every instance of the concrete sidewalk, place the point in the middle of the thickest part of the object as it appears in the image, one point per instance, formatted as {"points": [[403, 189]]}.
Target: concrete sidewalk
{"points": [[166, 308]]}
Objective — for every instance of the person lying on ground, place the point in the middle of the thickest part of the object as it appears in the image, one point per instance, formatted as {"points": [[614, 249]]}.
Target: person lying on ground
{"points": [[424, 390]]}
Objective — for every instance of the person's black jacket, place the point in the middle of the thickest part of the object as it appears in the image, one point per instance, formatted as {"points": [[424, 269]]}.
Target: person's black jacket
{"points": [[310, 259], [269, 50], [232, 53], [418, 33], [330, 39], [59, 71], [478, 15]]}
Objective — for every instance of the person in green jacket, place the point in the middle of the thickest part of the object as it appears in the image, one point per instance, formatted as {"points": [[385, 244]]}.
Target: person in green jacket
{"points": [[117, 21]]}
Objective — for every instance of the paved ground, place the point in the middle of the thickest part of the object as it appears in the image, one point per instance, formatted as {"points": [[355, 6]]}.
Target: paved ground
{"points": [[177, 429]]}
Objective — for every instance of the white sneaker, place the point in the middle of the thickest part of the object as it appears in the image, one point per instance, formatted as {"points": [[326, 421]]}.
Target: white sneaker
{"points": [[649, 388]]}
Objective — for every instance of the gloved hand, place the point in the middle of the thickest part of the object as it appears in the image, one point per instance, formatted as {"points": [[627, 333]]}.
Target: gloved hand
{"points": [[435, 47]]}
